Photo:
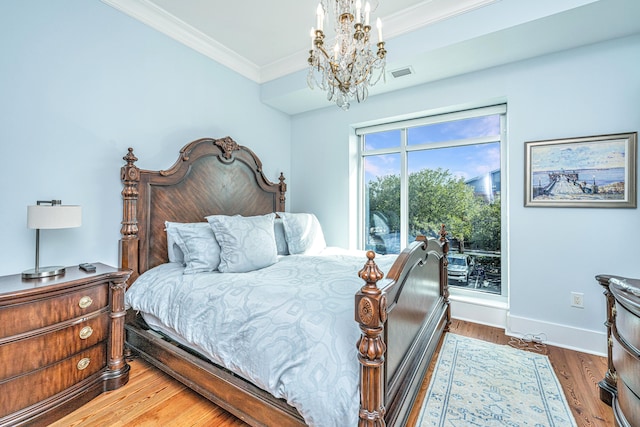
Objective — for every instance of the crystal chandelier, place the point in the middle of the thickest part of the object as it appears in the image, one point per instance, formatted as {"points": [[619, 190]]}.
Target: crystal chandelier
{"points": [[347, 68]]}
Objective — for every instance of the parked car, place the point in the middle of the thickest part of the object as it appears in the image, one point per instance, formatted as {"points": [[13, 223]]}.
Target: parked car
{"points": [[460, 267]]}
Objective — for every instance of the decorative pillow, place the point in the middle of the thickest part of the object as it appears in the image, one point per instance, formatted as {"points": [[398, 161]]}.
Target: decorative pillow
{"points": [[173, 250], [246, 243], [281, 240], [197, 243], [304, 233]]}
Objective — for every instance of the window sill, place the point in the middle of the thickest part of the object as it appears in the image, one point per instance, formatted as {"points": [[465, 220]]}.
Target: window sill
{"points": [[477, 298]]}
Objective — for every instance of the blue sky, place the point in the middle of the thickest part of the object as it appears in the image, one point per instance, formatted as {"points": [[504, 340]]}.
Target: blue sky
{"points": [[587, 155], [463, 161]]}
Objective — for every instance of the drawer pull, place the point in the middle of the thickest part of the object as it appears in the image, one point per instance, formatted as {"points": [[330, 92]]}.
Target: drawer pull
{"points": [[85, 302], [86, 332], [83, 363]]}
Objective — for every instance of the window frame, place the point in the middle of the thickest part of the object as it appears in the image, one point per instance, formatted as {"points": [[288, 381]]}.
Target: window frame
{"points": [[404, 149]]}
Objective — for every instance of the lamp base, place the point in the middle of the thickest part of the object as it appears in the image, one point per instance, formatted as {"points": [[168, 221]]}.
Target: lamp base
{"points": [[38, 273]]}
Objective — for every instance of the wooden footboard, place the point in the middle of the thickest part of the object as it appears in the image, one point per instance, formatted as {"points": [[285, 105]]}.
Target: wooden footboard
{"points": [[402, 321]]}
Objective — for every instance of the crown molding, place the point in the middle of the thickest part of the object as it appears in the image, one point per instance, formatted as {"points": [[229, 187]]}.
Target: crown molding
{"points": [[420, 15], [158, 19]]}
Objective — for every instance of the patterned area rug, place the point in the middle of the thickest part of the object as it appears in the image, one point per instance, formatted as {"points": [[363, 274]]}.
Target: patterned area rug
{"points": [[476, 383]]}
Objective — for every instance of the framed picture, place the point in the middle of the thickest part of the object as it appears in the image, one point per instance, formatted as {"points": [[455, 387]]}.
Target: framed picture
{"points": [[592, 171]]}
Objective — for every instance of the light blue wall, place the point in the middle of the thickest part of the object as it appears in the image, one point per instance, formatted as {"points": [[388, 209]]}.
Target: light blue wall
{"points": [[587, 91], [79, 83]]}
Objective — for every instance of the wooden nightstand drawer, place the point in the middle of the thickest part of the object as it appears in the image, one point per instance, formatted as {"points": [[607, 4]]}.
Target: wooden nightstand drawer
{"points": [[628, 325], [23, 317], [51, 345], [44, 383], [627, 401], [627, 364]]}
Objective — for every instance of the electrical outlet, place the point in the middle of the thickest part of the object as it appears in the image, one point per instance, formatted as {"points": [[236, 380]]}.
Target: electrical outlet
{"points": [[577, 299]]}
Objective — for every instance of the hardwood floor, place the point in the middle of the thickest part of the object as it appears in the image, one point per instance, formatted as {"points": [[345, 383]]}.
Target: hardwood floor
{"points": [[151, 398]]}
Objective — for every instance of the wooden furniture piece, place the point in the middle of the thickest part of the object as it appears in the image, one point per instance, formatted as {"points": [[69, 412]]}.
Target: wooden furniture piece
{"points": [[620, 387], [401, 322], [61, 342]]}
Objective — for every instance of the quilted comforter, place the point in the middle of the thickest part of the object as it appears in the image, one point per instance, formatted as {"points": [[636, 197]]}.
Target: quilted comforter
{"points": [[288, 328]]}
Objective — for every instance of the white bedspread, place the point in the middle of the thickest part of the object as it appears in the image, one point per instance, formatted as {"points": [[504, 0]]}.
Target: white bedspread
{"points": [[288, 328]]}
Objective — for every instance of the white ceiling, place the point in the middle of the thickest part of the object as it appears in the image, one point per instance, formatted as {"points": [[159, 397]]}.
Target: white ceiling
{"points": [[266, 41], [263, 32]]}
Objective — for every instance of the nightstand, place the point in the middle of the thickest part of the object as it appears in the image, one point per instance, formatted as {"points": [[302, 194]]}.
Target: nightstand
{"points": [[61, 342]]}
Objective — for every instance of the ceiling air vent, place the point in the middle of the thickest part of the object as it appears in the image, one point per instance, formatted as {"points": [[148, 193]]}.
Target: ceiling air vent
{"points": [[401, 72]]}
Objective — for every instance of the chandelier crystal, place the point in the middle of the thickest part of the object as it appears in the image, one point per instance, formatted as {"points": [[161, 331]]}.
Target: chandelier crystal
{"points": [[347, 67]]}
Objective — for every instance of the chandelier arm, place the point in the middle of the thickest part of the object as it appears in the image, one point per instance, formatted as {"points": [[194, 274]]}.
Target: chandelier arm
{"points": [[324, 53], [334, 67], [344, 87], [368, 70]]}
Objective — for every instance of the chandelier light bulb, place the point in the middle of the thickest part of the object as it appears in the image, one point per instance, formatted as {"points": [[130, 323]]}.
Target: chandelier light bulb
{"points": [[367, 13], [319, 17], [358, 12], [379, 27]]}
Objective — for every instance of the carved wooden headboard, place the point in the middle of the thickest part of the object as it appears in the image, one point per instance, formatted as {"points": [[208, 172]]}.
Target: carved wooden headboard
{"points": [[210, 177]]}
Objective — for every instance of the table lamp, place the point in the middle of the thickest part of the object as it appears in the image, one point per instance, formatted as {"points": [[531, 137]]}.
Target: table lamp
{"points": [[50, 214]]}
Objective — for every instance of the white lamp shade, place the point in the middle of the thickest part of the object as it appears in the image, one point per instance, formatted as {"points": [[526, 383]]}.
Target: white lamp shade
{"points": [[56, 216]]}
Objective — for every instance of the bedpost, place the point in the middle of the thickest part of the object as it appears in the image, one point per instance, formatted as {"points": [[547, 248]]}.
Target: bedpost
{"points": [[371, 313], [283, 190], [444, 274], [130, 176]]}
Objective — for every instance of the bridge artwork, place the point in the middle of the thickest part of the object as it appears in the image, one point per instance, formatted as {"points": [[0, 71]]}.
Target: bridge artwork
{"points": [[598, 171], [565, 184]]}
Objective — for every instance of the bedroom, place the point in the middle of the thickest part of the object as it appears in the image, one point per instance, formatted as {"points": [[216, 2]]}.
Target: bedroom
{"points": [[81, 82]]}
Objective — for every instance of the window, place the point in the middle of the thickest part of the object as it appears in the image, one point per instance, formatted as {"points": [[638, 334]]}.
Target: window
{"points": [[445, 169]]}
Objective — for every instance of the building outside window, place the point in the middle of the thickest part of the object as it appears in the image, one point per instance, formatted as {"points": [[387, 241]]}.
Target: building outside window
{"points": [[446, 169]]}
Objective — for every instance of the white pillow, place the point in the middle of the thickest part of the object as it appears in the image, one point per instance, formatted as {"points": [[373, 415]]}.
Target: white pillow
{"points": [[281, 240], [246, 243], [173, 250], [197, 243], [304, 233]]}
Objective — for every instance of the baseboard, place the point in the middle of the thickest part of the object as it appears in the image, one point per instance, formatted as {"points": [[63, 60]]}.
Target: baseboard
{"points": [[572, 338], [496, 314]]}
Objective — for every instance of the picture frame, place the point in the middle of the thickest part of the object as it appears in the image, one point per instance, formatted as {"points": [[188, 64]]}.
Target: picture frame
{"points": [[584, 172]]}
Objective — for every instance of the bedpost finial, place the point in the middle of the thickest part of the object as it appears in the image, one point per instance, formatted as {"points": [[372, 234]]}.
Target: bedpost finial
{"points": [[443, 233], [443, 239], [370, 273], [283, 190], [130, 158]]}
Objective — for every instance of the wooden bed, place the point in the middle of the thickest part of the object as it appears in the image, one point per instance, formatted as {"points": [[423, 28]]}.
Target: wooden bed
{"points": [[401, 323]]}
